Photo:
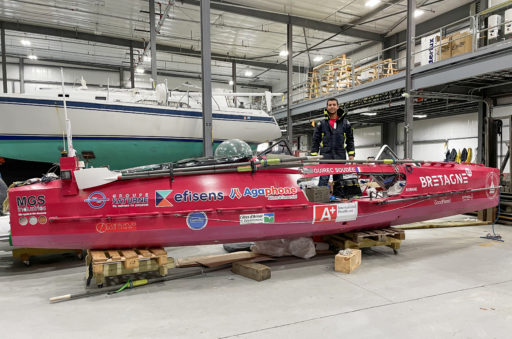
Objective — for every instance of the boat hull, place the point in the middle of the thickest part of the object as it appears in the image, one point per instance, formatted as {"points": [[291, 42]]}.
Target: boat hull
{"points": [[232, 207], [120, 135]]}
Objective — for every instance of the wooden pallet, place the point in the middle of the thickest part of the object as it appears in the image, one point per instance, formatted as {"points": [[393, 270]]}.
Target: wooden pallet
{"points": [[111, 263], [384, 237]]}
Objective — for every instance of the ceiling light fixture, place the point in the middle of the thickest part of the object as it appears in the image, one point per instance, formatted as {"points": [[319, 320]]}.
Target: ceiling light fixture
{"points": [[248, 73], [318, 58], [231, 82], [419, 116], [283, 53], [372, 3], [418, 12], [25, 42], [32, 57], [369, 114], [139, 70]]}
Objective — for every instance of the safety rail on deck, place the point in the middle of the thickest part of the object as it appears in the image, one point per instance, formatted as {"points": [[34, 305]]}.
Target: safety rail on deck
{"points": [[463, 36]]}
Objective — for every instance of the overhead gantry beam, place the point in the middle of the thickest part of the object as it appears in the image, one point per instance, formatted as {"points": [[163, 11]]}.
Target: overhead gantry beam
{"points": [[285, 19], [116, 41]]}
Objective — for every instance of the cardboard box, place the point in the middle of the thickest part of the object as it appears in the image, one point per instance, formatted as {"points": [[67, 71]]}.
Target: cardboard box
{"points": [[318, 193], [446, 48], [349, 262], [461, 43]]}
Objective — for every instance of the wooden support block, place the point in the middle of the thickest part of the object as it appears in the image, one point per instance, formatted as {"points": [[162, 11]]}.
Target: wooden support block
{"points": [[251, 270], [98, 256], [97, 269], [145, 253], [215, 260], [131, 259], [114, 255], [347, 263]]}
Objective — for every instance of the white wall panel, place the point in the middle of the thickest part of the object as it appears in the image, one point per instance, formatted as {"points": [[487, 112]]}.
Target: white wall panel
{"points": [[367, 136], [446, 128], [364, 153]]}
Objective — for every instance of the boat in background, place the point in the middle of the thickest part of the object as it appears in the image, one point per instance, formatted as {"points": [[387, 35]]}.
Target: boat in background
{"points": [[125, 127]]}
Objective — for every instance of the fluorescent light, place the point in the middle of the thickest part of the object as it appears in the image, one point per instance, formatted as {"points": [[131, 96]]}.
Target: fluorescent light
{"points": [[283, 53], [318, 58], [369, 114], [248, 73], [419, 116], [25, 42], [231, 82], [418, 12], [139, 70], [146, 58], [372, 3], [32, 57]]}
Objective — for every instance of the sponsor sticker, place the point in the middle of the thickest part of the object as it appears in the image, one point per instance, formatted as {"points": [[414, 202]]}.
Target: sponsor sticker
{"points": [[32, 204], [109, 227], [467, 197], [197, 220], [96, 200], [335, 212], [130, 200], [331, 170], [23, 221], [257, 218], [442, 201], [271, 193], [32, 220], [445, 179], [162, 198], [492, 181]]}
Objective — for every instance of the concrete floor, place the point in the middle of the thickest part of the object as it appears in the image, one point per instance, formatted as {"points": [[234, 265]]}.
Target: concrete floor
{"points": [[443, 283]]}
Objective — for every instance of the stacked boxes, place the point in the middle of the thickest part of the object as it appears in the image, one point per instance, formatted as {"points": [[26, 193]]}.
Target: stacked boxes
{"points": [[456, 44], [461, 43]]}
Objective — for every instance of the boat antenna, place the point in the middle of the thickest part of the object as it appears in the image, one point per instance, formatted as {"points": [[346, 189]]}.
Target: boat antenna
{"points": [[71, 150]]}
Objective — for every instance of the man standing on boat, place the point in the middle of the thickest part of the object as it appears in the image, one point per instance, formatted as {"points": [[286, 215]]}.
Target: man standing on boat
{"points": [[334, 138]]}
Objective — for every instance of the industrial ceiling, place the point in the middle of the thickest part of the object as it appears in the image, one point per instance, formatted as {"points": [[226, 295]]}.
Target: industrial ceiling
{"points": [[251, 33]]}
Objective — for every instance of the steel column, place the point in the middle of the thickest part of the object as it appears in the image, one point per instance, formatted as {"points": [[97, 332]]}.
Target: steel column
{"points": [[289, 48], [4, 61], [132, 73], [481, 130], [409, 108], [206, 68], [121, 77], [152, 41], [233, 78], [21, 67]]}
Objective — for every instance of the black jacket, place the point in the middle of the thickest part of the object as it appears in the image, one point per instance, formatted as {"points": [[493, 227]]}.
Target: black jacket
{"points": [[334, 143]]}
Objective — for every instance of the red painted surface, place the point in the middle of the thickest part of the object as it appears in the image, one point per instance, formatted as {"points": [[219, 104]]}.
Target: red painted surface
{"points": [[231, 207]]}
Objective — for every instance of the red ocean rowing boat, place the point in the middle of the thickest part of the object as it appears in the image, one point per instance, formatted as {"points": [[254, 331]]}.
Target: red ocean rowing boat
{"points": [[256, 200]]}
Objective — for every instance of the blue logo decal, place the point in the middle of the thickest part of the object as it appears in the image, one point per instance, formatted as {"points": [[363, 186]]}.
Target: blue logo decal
{"points": [[96, 200], [197, 220]]}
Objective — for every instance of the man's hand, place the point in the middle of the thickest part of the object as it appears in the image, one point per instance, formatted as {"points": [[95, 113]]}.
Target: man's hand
{"points": [[350, 157]]}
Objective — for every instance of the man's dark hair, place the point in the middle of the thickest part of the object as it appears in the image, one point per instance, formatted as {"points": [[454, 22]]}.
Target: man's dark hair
{"points": [[332, 99]]}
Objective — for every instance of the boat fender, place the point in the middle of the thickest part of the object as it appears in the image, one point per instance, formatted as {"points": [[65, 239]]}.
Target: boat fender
{"points": [[408, 168]]}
